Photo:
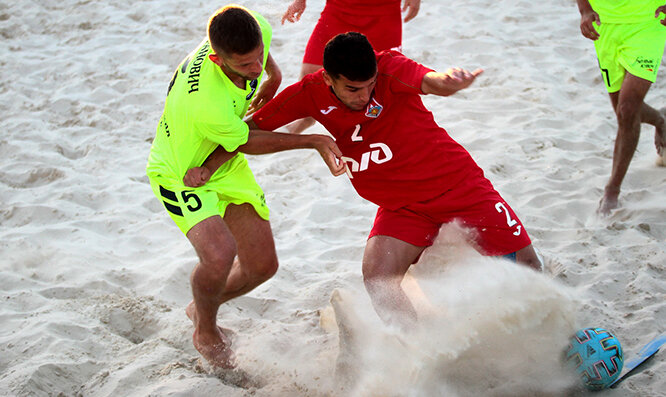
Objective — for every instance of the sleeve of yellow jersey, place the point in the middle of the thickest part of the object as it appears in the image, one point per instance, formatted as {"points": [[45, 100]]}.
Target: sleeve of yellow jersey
{"points": [[221, 125]]}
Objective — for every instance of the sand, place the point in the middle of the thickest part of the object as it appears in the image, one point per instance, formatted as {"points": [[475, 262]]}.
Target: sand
{"points": [[94, 275]]}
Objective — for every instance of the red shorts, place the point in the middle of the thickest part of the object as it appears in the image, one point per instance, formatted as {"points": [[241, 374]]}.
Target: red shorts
{"points": [[496, 228], [383, 31]]}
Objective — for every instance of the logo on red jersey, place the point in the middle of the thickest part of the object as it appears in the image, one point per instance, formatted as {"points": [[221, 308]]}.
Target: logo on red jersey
{"points": [[329, 110], [374, 109], [380, 155]]}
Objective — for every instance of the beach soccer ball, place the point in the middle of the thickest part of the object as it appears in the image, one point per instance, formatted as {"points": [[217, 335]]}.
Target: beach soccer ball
{"points": [[596, 356]]}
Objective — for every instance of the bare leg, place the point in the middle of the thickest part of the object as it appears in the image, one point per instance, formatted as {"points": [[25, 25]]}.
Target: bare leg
{"points": [[658, 120], [528, 257], [217, 279], [301, 125], [629, 110], [385, 262]]}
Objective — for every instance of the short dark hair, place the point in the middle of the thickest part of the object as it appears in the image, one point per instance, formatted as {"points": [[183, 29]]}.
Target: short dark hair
{"points": [[351, 55], [233, 30]]}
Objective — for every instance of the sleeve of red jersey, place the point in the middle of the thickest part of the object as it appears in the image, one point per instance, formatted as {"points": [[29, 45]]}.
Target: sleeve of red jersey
{"points": [[286, 107], [405, 74]]}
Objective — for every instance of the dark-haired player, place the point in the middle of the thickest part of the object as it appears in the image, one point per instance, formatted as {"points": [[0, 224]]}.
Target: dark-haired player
{"points": [[401, 160]]}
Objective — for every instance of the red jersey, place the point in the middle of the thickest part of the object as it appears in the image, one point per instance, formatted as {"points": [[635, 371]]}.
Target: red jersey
{"points": [[396, 152]]}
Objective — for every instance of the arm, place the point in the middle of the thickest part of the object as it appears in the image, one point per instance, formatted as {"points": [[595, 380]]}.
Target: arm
{"points": [[294, 11], [587, 17], [412, 8], [661, 9], [449, 82], [269, 87], [198, 176], [263, 142]]}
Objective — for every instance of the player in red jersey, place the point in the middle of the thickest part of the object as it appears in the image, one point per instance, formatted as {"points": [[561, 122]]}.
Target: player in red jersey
{"points": [[379, 20], [400, 159]]}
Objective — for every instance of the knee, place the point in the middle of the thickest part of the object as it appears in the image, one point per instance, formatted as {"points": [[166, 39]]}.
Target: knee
{"points": [[214, 265], [376, 279], [370, 273], [264, 269], [628, 112], [269, 268]]}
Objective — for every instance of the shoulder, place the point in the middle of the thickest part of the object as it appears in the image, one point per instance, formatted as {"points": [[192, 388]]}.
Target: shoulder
{"points": [[401, 70], [392, 58]]}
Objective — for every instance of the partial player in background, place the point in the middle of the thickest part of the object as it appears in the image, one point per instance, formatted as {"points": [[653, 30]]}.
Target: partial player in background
{"points": [[380, 21], [226, 221], [400, 159], [629, 41]]}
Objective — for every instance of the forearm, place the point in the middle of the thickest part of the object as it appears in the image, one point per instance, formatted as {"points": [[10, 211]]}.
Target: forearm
{"points": [[584, 6], [216, 159], [260, 142], [449, 82], [273, 70], [264, 142]]}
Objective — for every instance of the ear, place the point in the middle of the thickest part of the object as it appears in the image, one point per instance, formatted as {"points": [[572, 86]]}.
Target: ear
{"points": [[327, 78], [215, 59]]}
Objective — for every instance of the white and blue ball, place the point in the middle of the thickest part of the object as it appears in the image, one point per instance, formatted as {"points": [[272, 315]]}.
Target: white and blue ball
{"points": [[596, 355]]}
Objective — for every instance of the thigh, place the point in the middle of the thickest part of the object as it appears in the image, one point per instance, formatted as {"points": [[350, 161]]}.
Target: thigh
{"points": [[213, 242], [326, 28], [642, 48], [383, 31], [633, 92], [253, 235], [387, 256], [495, 227], [406, 225], [187, 207], [607, 49]]}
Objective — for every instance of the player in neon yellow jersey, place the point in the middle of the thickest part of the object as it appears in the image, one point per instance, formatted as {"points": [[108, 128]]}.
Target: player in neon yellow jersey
{"points": [[226, 218], [629, 41]]}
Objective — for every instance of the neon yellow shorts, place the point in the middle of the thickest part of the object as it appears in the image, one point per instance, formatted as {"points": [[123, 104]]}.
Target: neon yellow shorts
{"points": [[636, 48], [188, 206]]}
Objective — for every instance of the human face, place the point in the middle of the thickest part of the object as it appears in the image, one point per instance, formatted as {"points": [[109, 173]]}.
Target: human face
{"points": [[354, 94], [241, 67]]}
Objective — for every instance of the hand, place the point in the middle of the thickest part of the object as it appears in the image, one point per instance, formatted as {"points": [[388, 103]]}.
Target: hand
{"points": [[412, 8], [197, 176], [659, 11], [265, 93], [294, 11], [329, 151], [268, 88], [587, 20]]}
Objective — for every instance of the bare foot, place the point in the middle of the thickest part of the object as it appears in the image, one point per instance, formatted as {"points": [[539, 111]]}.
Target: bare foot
{"points": [[214, 347], [608, 203]]}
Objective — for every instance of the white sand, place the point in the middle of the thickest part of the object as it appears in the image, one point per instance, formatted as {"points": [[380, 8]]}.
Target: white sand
{"points": [[94, 275]]}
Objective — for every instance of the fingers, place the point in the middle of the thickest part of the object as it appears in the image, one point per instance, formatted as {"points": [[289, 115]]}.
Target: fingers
{"points": [[412, 8], [660, 9], [411, 13], [587, 25], [463, 75], [588, 31], [196, 177]]}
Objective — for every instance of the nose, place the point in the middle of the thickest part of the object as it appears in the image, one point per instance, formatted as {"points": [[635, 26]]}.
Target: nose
{"points": [[364, 95], [257, 67]]}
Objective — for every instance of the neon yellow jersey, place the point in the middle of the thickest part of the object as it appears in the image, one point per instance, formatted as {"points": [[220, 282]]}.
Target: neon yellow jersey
{"points": [[625, 11], [203, 109]]}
